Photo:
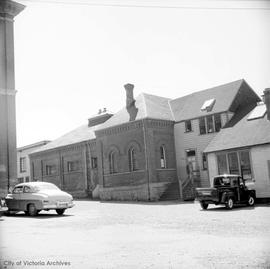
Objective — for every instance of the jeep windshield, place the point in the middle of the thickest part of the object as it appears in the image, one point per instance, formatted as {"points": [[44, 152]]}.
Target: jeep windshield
{"points": [[225, 181]]}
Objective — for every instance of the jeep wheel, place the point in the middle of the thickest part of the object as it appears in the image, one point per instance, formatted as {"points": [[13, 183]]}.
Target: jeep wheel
{"points": [[251, 201], [60, 211], [229, 203], [32, 211], [204, 205]]}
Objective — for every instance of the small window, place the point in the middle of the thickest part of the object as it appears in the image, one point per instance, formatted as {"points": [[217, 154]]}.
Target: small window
{"points": [[33, 170], [23, 164], [217, 119], [233, 163], [202, 126], [50, 170], [245, 165], [162, 157], [94, 162], [132, 160], [73, 166], [210, 125], [20, 180], [112, 162], [222, 164], [204, 161], [188, 126]]}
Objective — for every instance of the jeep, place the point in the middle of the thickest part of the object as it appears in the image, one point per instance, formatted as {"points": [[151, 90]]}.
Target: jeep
{"points": [[228, 190]]}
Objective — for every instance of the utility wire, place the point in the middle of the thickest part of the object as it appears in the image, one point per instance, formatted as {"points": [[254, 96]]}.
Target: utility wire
{"points": [[148, 6]]}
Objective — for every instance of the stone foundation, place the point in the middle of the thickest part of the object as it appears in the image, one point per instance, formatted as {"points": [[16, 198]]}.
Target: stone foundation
{"points": [[134, 193]]}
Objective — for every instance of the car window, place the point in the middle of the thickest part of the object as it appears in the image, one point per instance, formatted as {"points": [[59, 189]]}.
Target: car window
{"points": [[27, 189], [241, 180], [234, 181], [222, 181], [18, 189]]}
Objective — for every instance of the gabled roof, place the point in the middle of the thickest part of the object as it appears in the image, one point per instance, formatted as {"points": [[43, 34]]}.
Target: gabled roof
{"points": [[189, 106], [149, 106], [245, 133], [81, 134]]}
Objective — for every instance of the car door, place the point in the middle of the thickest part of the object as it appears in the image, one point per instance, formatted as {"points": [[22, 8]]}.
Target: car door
{"points": [[13, 202], [26, 197], [242, 190]]}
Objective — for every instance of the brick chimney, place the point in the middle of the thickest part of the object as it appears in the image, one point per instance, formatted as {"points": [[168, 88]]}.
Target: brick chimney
{"points": [[130, 102], [129, 94], [267, 101]]}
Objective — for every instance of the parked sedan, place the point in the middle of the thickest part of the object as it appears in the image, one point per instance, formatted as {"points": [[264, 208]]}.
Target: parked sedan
{"points": [[32, 197]]}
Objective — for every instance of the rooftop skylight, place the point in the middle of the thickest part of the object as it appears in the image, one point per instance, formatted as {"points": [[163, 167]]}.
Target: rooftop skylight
{"points": [[208, 105], [258, 112]]}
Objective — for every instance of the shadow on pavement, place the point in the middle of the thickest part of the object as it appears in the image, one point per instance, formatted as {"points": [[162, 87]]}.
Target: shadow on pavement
{"points": [[170, 202], [236, 208], [39, 216]]}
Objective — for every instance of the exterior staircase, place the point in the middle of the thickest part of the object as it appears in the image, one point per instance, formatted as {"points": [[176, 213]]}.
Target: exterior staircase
{"points": [[171, 193], [188, 188], [188, 191]]}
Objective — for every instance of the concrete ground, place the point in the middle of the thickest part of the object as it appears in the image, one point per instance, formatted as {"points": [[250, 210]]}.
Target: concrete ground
{"points": [[138, 235]]}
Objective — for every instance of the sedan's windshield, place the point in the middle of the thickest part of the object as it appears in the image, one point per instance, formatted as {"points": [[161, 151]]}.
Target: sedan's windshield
{"points": [[44, 187]]}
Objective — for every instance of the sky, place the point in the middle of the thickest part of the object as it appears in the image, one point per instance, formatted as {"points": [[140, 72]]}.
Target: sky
{"points": [[73, 59]]}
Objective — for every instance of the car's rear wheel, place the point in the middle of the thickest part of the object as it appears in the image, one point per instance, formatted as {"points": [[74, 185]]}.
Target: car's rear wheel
{"points": [[204, 205], [230, 203], [251, 201], [60, 211], [32, 210]]}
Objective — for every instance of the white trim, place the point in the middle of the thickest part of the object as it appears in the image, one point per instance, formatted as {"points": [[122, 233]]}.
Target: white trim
{"points": [[124, 173], [6, 19], [7, 91]]}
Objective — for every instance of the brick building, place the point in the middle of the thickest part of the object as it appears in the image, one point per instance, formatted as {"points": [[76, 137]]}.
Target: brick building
{"points": [[136, 150], [71, 160], [23, 162], [152, 149]]}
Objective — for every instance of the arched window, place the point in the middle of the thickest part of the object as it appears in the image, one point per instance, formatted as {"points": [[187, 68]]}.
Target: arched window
{"points": [[112, 160], [163, 163], [132, 159]]}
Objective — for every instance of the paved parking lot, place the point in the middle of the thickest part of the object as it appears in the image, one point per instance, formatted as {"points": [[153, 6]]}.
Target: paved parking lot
{"points": [[138, 235]]}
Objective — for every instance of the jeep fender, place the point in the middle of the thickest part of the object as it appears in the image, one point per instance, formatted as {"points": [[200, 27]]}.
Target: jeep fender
{"points": [[252, 193], [225, 196]]}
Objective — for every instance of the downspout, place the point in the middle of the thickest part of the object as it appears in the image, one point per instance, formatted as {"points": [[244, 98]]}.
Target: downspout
{"points": [[146, 160], [42, 173], [102, 164], [85, 167], [89, 176], [61, 170]]}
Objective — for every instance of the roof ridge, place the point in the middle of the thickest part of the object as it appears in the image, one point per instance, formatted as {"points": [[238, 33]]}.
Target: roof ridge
{"points": [[144, 104], [169, 104], [201, 91], [149, 94], [242, 81]]}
